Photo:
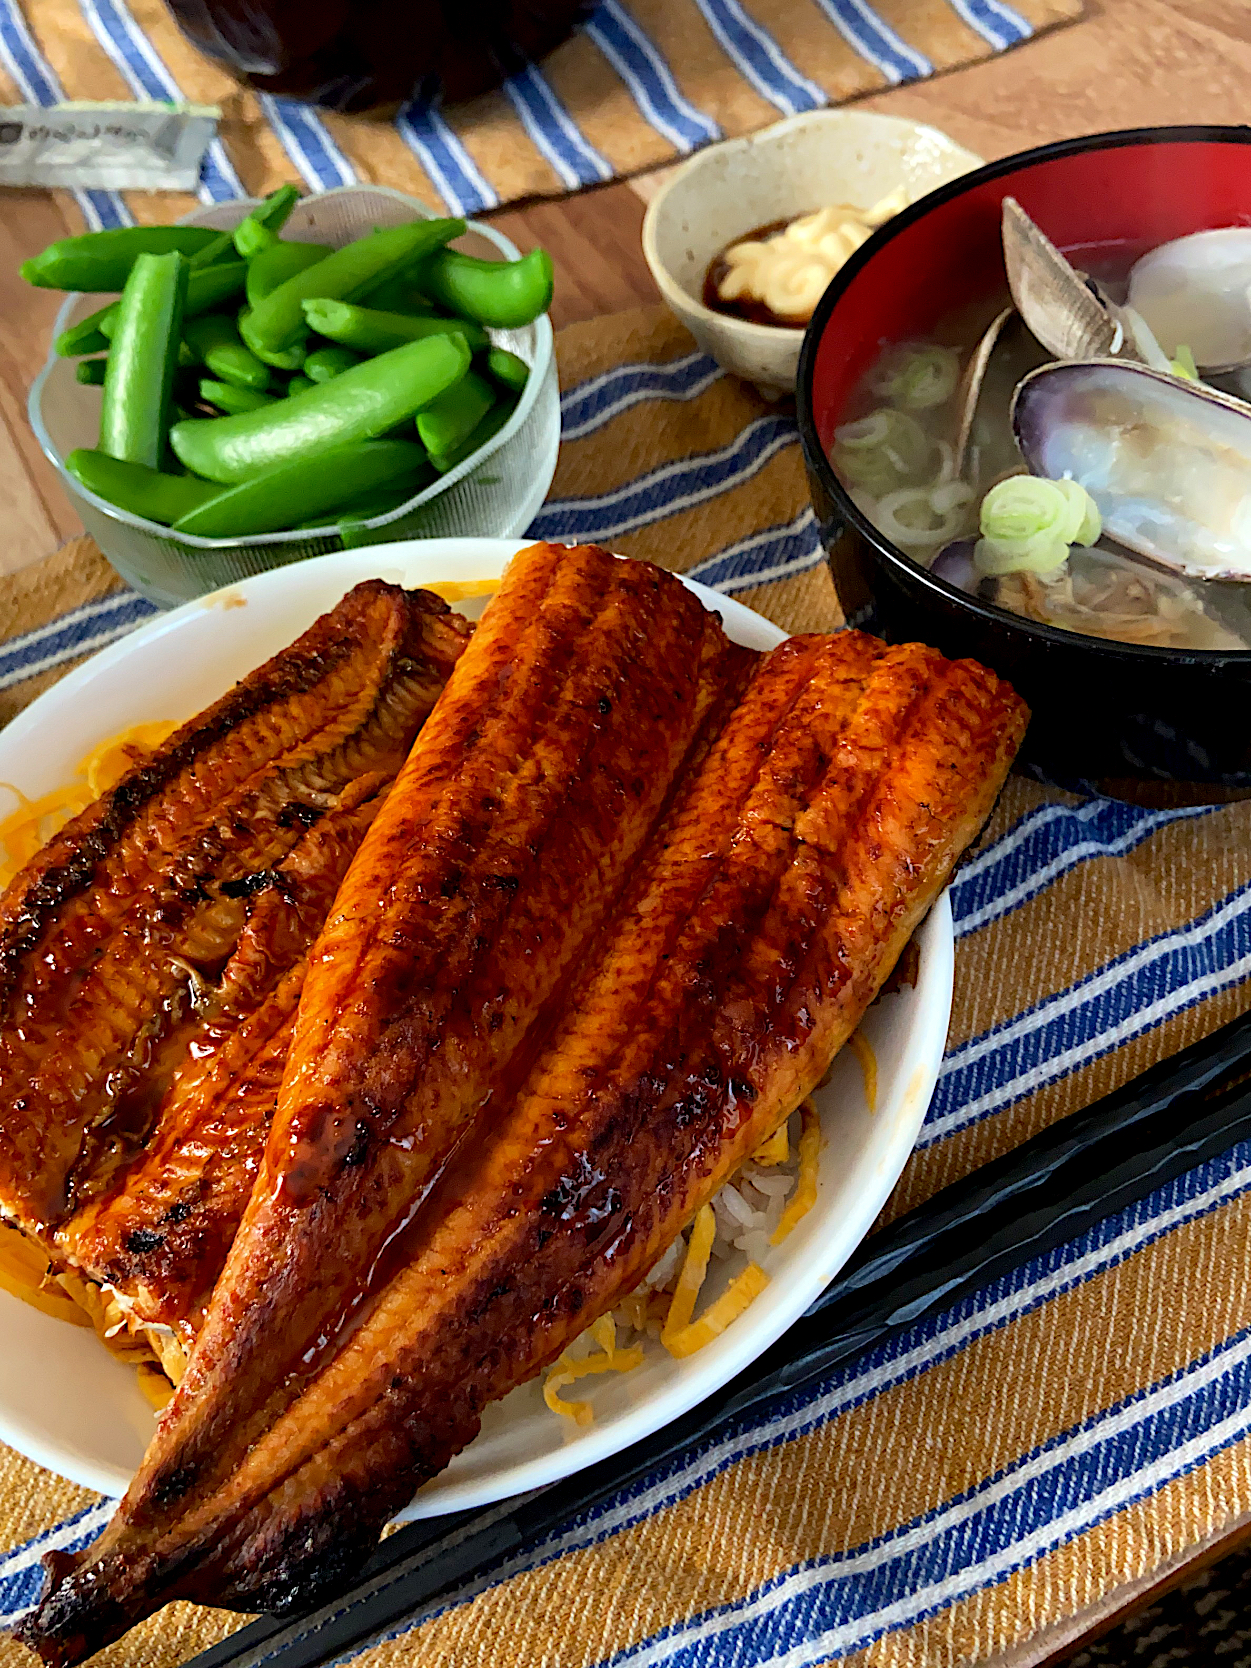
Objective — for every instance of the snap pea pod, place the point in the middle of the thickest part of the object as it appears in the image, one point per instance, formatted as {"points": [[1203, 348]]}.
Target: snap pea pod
{"points": [[508, 369], [228, 397], [324, 364], [299, 385], [309, 486], [139, 379], [222, 245], [90, 372], [362, 404], [397, 295], [453, 417], [207, 287], [289, 359], [131, 486], [102, 260], [506, 294], [275, 265], [490, 425], [259, 229], [278, 321], [369, 506], [83, 337], [214, 342], [369, 331]]}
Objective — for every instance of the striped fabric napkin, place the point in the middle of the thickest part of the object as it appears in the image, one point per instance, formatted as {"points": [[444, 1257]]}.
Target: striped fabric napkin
{"points": [[981, 1488], [640, 84]]}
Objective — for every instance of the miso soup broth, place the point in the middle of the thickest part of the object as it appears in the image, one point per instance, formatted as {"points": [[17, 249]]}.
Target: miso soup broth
{"points": [[926, 436]]}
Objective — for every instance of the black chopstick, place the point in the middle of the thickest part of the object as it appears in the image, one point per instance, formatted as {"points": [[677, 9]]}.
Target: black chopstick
{"points": [[1181, 1112]]}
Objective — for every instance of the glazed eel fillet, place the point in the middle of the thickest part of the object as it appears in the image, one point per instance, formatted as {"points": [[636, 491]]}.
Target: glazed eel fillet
{"points": [[761, 920], [158, 1238], [113, 940]]}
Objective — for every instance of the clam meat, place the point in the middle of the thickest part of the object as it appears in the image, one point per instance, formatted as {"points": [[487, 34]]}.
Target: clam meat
{"points": [[1167, 462]]}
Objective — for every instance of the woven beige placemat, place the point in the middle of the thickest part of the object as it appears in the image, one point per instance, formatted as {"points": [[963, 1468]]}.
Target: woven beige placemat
{"points": [[643, 82]]}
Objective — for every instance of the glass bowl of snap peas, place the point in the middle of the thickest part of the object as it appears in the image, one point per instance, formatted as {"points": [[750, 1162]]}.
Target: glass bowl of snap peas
{"points": [[203, 429]]}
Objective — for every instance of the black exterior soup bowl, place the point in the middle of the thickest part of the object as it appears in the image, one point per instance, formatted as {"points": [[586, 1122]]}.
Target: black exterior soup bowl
{"points": [[1118, 715]]}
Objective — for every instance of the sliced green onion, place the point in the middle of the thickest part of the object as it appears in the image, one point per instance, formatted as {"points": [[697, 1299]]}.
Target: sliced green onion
{"points": [[923, 518], [1183, 363], [885, 450], [918, 378], [1028, 525]]}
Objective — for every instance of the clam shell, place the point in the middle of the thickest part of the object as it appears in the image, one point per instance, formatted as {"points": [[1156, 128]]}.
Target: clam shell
{"points": [[1168, 462], [1195, 291], [1068, 317]]}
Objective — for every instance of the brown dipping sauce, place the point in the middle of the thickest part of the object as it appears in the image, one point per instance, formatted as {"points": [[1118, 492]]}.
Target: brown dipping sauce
{"points": [[754, 312]]}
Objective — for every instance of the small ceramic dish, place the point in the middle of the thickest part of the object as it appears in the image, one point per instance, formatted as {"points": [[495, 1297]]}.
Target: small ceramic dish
{"points": [[817, 160]]}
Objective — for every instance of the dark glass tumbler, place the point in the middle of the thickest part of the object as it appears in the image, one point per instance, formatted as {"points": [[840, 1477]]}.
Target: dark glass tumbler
{"points": [[354, 56]]}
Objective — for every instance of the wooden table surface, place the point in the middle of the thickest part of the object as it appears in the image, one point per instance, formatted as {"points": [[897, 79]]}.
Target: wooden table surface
{"points": [[1129, 63]]}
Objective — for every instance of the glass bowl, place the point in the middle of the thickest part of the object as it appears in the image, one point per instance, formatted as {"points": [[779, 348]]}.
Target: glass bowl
{"points": [[496, 493]]}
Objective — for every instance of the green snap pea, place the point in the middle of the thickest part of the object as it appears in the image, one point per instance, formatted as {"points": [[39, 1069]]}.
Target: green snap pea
{"points": [[222, 247], [259, 229], [275, 265], [139, 380], [207, 287], [83, 337], [506, 294], [303, 488], [452, 418], [278, 321], [90, 372], [324, 364], [299, 384], [397, 295], [213, 339], [369, 506], [228, 397], [289, 359], [508, 369], [131, 486], [362, 404], [103, 260], [369, 331], [490, 425]]}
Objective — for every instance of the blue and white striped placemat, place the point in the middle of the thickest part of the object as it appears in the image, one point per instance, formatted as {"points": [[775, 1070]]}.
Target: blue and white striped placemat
{"points": [[639, 84]]}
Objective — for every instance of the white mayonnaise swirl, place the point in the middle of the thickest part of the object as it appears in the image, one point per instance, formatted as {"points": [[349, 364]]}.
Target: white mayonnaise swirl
{"points": [[788, 272]]}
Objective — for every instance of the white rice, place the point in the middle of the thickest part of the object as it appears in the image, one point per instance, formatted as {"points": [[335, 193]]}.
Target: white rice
{"points": [[747, 1210]]}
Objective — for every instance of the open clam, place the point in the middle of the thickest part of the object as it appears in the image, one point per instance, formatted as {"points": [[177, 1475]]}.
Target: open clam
{"points": [[981, 440], [1168, 462], [1196, 292], [1069, 315]]}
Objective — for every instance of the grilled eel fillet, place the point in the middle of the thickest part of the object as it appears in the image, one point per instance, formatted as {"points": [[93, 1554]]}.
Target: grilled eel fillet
{"points": [[160, 1236], [550, 757], [106, 934], [758, 926]]}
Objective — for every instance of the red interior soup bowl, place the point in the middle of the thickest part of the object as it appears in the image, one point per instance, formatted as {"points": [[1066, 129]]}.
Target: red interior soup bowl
{"points": [[1103, 710]]}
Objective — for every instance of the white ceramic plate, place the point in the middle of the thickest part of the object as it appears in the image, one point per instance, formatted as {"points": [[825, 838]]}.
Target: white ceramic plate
{"points": [[67, 1404]]}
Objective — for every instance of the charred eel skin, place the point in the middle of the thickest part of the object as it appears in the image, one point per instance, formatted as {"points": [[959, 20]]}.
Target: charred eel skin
{"points": [[161, 1236], [105, 936], [759, 924]]}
